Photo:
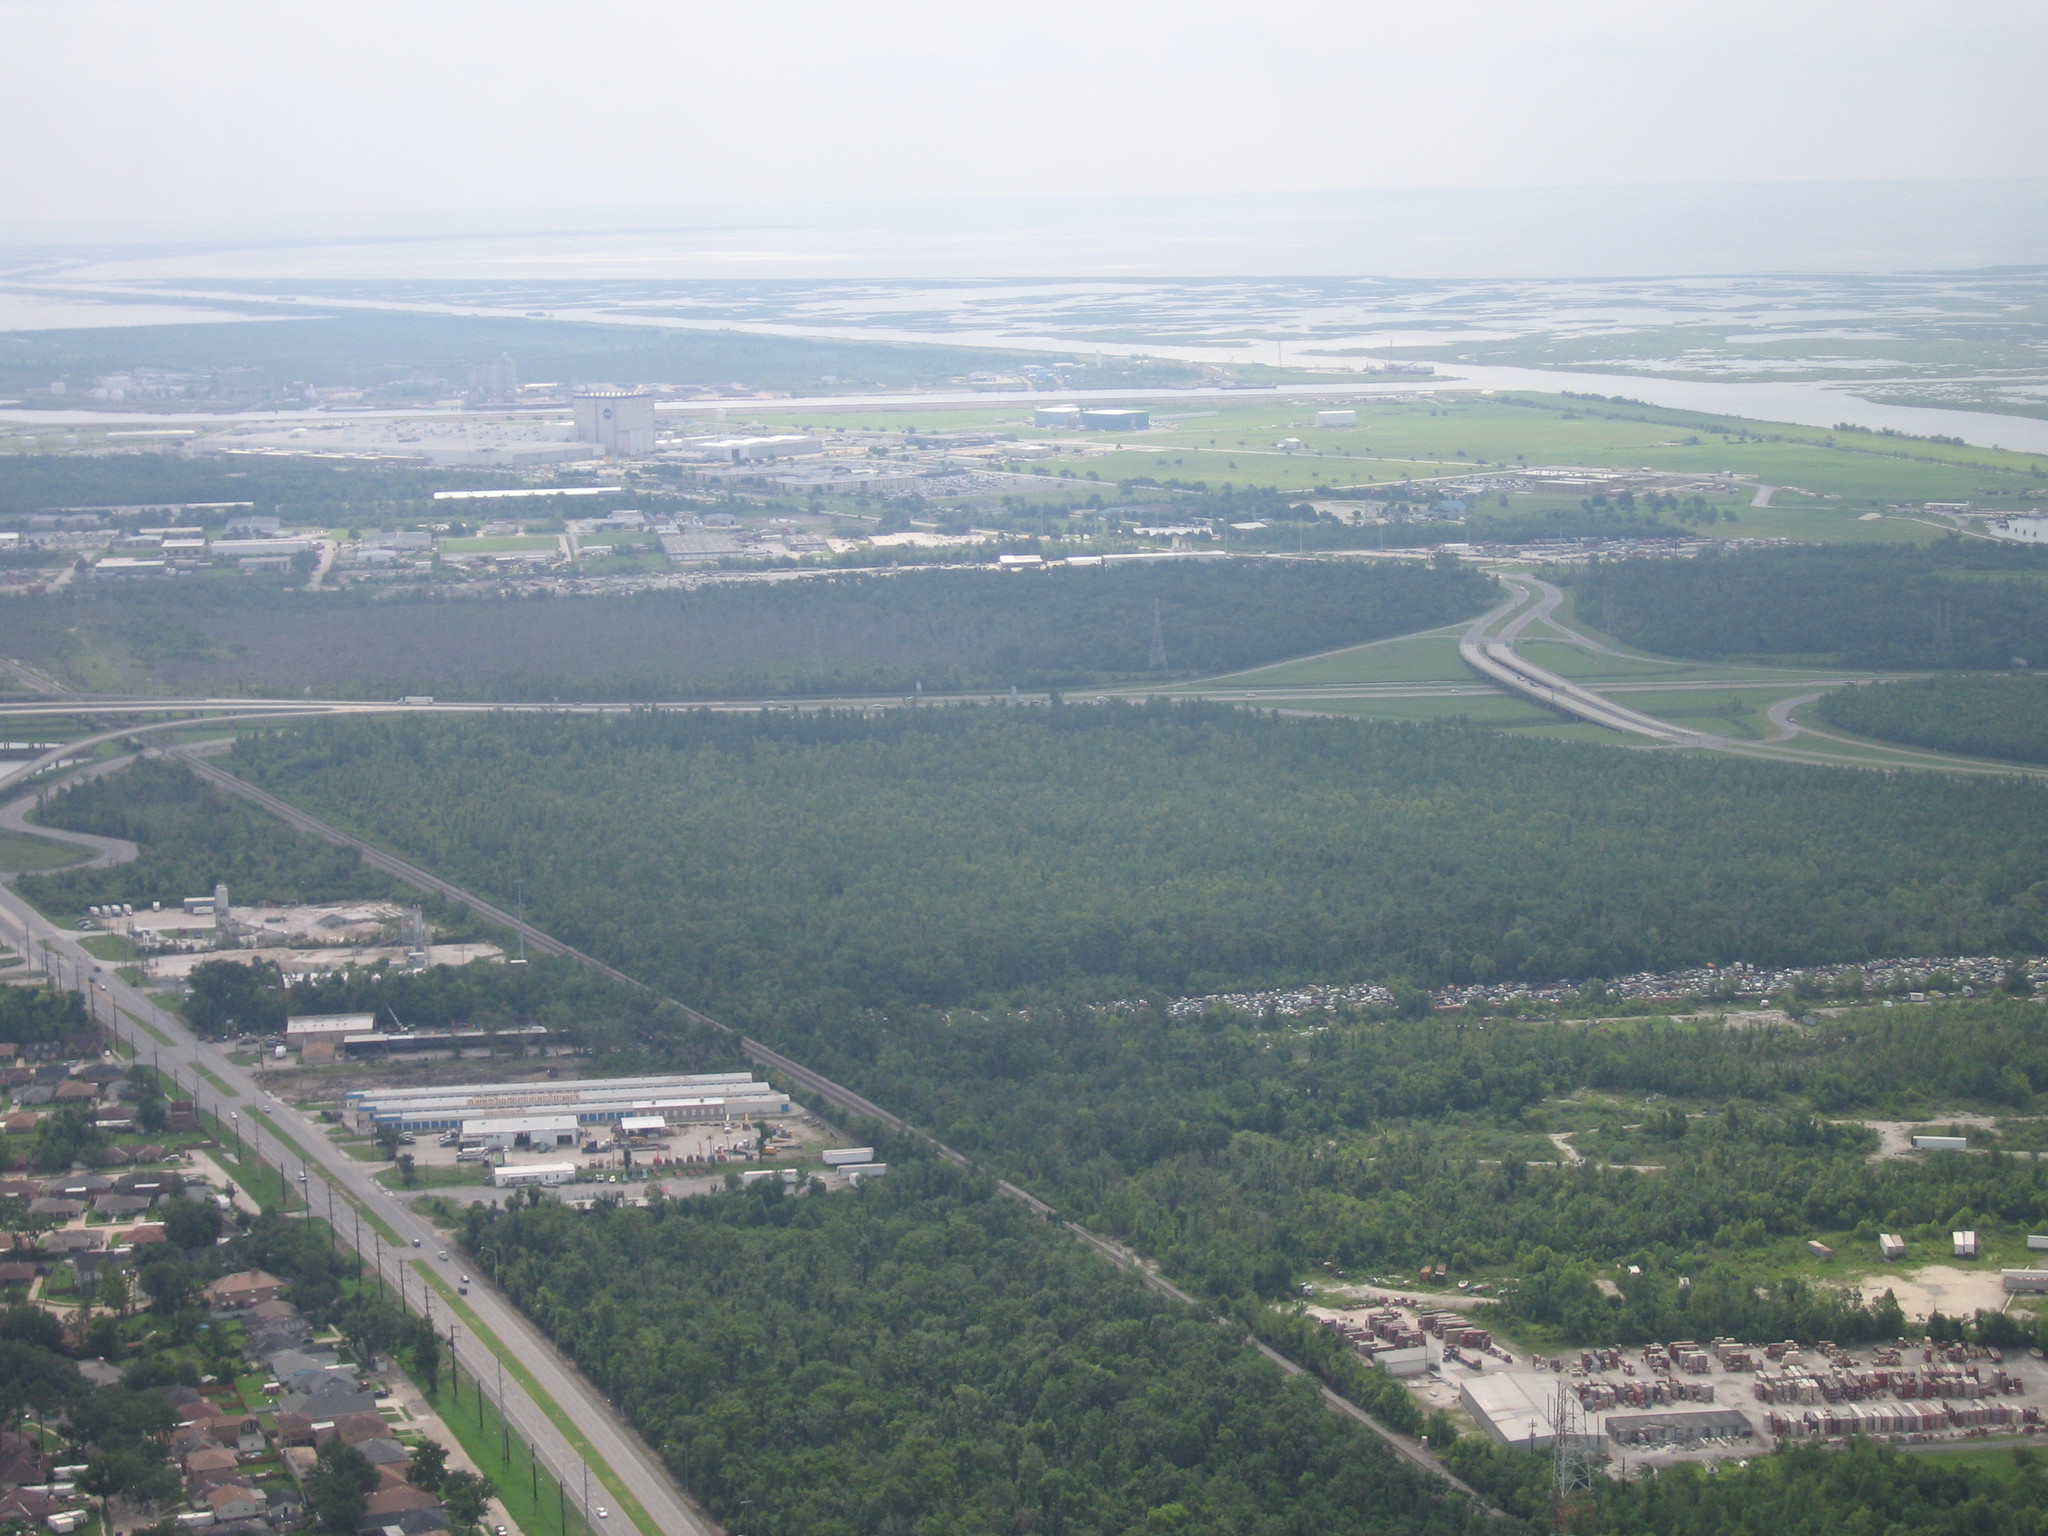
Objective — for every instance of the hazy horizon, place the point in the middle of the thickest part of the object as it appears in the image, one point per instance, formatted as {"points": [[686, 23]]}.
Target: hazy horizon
{"points": [[1535, 232]]}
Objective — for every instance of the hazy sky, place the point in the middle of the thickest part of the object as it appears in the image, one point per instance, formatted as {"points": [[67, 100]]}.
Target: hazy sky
{"points": [[124, 114]]}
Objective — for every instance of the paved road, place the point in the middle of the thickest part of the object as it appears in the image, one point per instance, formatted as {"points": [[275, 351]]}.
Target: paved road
{"points": [[334, 1180], [102, 851], [1493, 655]]}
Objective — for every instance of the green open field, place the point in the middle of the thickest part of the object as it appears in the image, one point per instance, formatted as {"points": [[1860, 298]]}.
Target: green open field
{"points": [[1738, 712], [1429, 658], [19, 853], [1453, 433]]}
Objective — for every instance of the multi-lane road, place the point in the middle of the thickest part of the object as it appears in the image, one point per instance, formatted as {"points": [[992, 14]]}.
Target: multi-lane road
{"points": [[338, 1182]]}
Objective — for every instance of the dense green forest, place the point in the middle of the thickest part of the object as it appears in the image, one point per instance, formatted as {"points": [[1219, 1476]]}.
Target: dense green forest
{"points": [[2000, 717], [192, 837], [584, 1006], [1958, 603], [841, 634], [754, 863], [925, 1355], [29, 1014]]}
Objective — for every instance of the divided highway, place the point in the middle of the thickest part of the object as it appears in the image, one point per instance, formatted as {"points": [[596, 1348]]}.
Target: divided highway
{"points": [[224, 1088]]}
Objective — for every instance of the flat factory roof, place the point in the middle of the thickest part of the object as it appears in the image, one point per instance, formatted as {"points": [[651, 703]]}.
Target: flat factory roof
{"points": [[520, 1125], [1515, 1407], [332, 1024], [562, 1089]]}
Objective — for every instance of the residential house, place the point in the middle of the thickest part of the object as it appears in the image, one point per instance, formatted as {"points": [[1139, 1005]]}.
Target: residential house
{"points": [[81, 1186], [387, 1502], [236, 1501], [21, 1460], [208, 1466], [242, 1290], [327, 1404]]}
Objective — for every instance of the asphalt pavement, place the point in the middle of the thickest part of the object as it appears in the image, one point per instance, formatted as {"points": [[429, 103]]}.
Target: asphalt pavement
{"points": [[333, 1182]]}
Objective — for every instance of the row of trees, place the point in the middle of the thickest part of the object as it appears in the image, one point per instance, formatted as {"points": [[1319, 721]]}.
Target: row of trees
{"points": [[1958, 603], [1999, 717], [944, 629]]}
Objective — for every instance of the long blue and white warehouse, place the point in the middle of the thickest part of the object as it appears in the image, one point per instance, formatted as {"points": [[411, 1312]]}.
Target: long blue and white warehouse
{"points": [[677, 1100]]}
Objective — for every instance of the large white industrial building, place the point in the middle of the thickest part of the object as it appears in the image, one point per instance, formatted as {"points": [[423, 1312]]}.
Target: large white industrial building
{"points": [[620, 421], [552, 1107]]}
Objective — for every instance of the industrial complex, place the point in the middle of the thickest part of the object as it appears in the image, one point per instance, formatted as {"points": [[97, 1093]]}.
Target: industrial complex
{"points": [[552, 1113], [1691, 1400]]}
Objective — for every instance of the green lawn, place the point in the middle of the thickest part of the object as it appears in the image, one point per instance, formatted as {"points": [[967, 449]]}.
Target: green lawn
{"points": [[1440, 435], [1415, 659], [1497, 709], [19, 853], [527, 1490], [436, 1176], [110, 946], [632, 1512], [1727, 712]]}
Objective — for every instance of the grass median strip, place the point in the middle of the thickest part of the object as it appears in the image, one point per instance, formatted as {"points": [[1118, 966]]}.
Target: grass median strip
{"points": [[147, 1028], [600, 1469], [529, 1492]]}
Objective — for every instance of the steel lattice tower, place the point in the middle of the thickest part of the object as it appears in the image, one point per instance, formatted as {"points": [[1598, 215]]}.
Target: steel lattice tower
{"points": [[1571, 1459]]}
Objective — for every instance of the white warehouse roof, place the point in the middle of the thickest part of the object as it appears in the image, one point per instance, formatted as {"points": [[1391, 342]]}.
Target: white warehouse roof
{"points": [[521, 1125], [332, 1024]]}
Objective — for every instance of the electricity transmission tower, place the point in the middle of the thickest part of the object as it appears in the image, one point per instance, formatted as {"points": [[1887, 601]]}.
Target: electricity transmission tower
{"points": [[1156, 662], [1571, 1459]]}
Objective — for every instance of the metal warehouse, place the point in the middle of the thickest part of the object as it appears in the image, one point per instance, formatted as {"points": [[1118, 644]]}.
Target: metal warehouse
{"points": [[588, 1102], [1518, 1409], [502, 1135]]}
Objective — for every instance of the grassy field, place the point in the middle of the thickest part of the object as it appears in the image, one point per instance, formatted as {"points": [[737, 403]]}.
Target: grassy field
{"points": [[435, 1176], [1741, 713], [1412, 659], [1453, 433], [19, 853], [111, 946], [528, 1490]]}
